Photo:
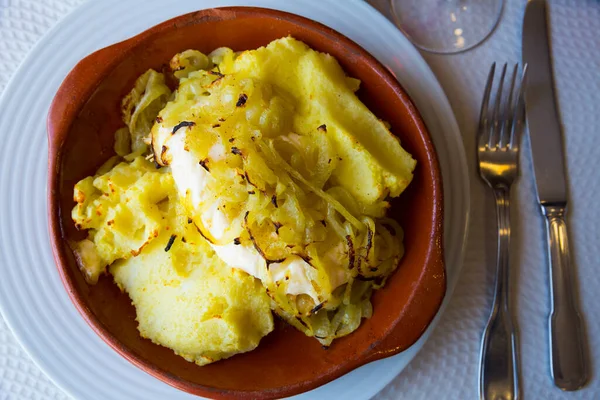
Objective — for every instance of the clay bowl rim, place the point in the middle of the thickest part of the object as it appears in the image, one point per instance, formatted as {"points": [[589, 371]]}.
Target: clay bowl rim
{"points": [[124, 48]]}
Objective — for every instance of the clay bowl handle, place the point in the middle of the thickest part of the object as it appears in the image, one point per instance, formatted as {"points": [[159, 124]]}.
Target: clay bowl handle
{"points": [[77, 87]]}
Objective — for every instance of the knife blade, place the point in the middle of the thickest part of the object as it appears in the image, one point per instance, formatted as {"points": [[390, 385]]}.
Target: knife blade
{"points": [[568, 363], [542, 113]]}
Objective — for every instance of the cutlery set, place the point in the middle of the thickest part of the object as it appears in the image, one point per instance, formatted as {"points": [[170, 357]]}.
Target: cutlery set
{"points": [[502, 120]]}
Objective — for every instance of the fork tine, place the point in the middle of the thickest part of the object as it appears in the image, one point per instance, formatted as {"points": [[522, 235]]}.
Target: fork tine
{"points": [[509, 113], [495, 134], [484, 131], [519, 112]]}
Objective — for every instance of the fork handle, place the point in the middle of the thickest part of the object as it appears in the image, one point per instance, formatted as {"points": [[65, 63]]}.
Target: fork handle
{"points": [[498, 378], [569, 369]]}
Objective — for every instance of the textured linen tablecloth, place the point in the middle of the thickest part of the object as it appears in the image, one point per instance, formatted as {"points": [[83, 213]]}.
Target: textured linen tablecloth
{"points": [[447, 367]]}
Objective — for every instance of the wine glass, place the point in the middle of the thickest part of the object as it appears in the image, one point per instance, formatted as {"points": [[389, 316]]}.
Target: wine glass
{"points": [[446, 26]]}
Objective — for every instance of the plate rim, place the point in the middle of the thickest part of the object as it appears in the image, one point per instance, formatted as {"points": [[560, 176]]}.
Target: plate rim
{"points": [[79, 10]]}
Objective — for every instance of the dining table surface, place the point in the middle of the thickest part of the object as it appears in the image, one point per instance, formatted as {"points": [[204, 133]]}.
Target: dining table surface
{"points": [[448, 365]]}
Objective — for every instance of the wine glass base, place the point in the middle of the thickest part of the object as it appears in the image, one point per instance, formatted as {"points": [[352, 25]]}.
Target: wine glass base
{"points": [[446, 26]]}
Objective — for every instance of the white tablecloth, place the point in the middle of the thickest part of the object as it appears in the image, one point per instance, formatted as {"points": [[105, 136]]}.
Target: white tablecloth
{"points": [[447, 367]]}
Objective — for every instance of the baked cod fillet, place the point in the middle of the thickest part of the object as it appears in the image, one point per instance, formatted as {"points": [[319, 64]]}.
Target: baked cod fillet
{"points": [[287, 174]]}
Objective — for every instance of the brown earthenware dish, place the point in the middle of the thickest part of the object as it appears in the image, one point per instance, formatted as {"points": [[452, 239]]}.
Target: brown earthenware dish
{"points": [[82, 120]]}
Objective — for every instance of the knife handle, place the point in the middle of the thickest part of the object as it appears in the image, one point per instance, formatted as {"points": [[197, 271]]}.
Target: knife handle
{"points": [[569, 369]]}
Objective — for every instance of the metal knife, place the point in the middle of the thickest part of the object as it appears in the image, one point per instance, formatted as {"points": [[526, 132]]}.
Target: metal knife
{"points": [[568, 364]]}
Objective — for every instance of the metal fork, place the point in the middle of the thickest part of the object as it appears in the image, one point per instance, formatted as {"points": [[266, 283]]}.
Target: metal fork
{"points": [[500, 126]]}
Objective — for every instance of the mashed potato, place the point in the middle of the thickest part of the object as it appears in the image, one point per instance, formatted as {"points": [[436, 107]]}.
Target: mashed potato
{"points": [[205, 313], [185, 297]]}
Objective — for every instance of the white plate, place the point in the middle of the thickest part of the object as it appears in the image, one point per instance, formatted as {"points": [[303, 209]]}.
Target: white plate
{"points": [[32, 298]]}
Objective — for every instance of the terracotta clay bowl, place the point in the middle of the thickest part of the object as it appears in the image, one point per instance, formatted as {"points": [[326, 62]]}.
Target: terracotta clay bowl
{"points": [[82, 120]]}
